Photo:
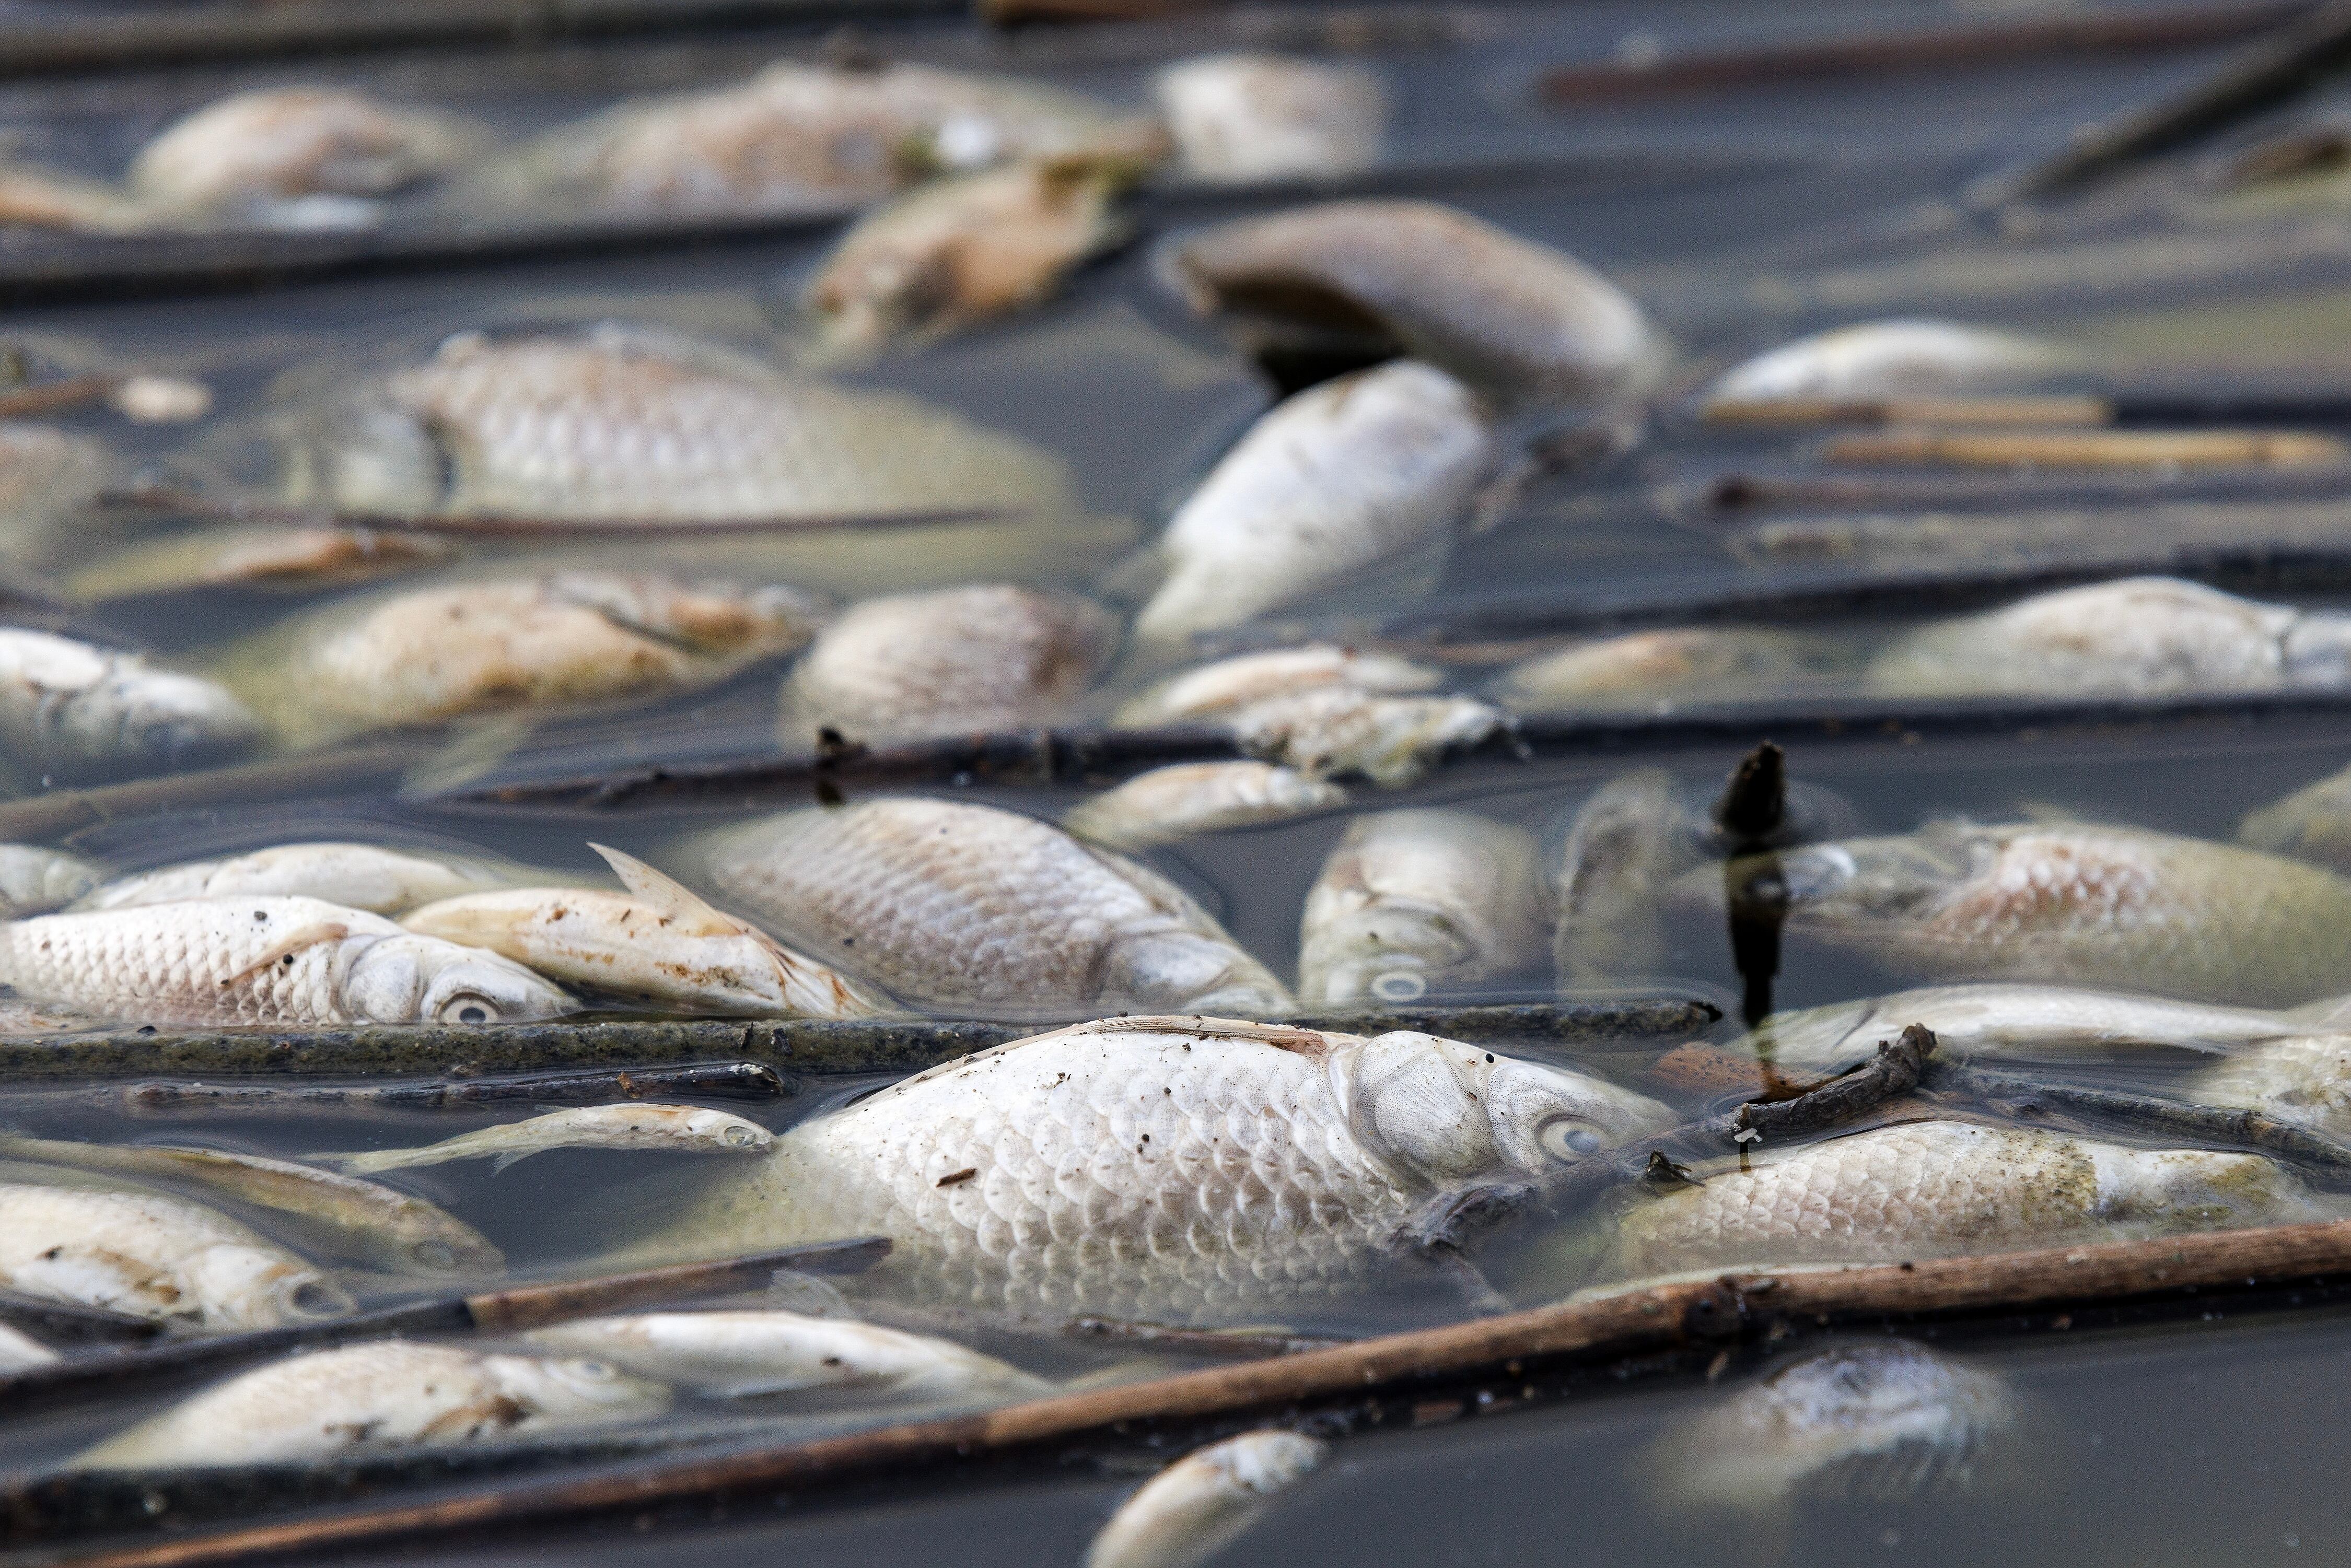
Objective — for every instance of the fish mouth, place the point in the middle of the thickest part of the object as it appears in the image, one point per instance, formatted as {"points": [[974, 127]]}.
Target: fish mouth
{"points": [[314, 1300]]}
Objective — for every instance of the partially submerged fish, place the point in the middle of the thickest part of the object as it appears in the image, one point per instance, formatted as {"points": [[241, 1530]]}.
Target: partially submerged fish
{"points": [[360, 876], [1374, 470], [1892, 359], [378, 1397], [68, 704], [1192, 798], [1194, 1509], [261, 557], [155, 1256], [1608, 884], [953, 906], [767, 1351], [297, 157], [263, 960], [1409, 901], [631, 1124], [1692, 664], [2302, 1079], [1189, 1165], [2314, 823], [1229, 685], [656, 941], [1243, 118], [34, 879]]}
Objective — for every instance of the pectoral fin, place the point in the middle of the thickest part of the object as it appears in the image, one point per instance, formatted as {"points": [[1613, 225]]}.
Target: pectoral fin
{"points": [[308, 936]]}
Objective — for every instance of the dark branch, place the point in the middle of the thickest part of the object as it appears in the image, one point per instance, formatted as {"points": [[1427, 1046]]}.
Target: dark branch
{"points": [[1755, 798]]}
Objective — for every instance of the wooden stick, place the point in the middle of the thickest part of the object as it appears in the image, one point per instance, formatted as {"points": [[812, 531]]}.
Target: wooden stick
{"points": [[61, 811], [1734, 492], [58, 395], [1755, 798], [702, 1080], [2068, 409], [70, 1322], [188, 503], [2089, 449]]}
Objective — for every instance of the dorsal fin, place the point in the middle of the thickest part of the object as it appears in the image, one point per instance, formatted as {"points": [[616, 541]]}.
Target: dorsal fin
{"points": [[672, 900]]}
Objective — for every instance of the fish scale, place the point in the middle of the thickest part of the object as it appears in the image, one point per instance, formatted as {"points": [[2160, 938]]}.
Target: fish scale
{"points": [[210, 954]]}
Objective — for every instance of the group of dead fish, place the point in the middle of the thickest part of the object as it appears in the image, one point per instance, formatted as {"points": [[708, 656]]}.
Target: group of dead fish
{"points": [[1182, 1162]]}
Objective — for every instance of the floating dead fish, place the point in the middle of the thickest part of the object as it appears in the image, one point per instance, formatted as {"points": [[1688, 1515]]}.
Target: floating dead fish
{"points": [[1518, 320], [34, 880], [1243, 118], [371, 1398], [1193, 797], [951, 662], [656, 941], [2302, 1079], [259, 557], [65, 704], [1686, 664], [1189, 1165], [1410, 902], [1194, 1509], [952, 905], [1229, 685], [631, 1125], [1622, 852], [2313, 824], [1370, 471], [297, 157], [767, 1351], [263, 960], [360, 876], [1892, 359], [155, 1256], [19, 1350]]}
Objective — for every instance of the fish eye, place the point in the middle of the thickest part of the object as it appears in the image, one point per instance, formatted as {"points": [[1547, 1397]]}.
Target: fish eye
{"points": [[596, 1371], [1398, 986], [468, 1007], [1565, 1139], [434, 1254], [740, 1137]]}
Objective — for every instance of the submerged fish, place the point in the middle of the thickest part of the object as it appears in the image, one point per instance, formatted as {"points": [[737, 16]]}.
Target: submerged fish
{"points": [[1373, 470], [2302, 1078], [2314, 823], [19, 1350], [1188, 1166], [261, 557], [155, 1256], [1408, 901], [1192, 798], [1242, 118], [263, 960], [34, 879], [1892, 359], [1693, 664], [378, 1397], [656, 941], [1197, 1506], [631, 1124], [297, 157], [952, 905], [1608, 884], [767, 1351], [360, 876], [65, 703], [1518, 320]]}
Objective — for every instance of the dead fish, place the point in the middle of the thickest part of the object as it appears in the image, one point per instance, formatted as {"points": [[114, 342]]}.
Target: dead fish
{"points": [[1519, 321], [65, 703], [1194, 1509], [952, 905], [1408, 901], [1666, 668], [656, 940], [1192, 798], [390, 1230], [47, 477], [2146, 636], [1892, 359], [2302, 1079], [629, 1126], [263, 960], [2314, 823], [378, 1397], [1866, 1423], [1374, 470], [34, 880], [1243, 118], [297, 157], [257, 557], [2074, 903], [767, 1351], [951, 662], [155, 1256], [1229, 685], [19, 1350], [1198, 1166], [360, 876]]}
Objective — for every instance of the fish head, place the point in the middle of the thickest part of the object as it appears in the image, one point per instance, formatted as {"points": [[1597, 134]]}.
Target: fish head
{"points": [[575, 1388], [1390, 953], [1859, 883], [161, 713], [412, 978], [728, 1130], [257, 1287]]}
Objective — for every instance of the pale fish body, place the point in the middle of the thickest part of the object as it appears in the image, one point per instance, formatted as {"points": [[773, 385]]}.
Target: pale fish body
{"points": [[952, 905], [2303, 1079], [954, 661], [1226, 686], [1891, 359], [1192, 798], [269, 557], [630, 1125], [2144, 636], [377, 1397], [66, 703], [1199, 1168], [49, 199], [1243, 118], [34, 879], [360, 877], [2073, 903], [768, 1351], [1692, 665], [1194, 1509], [2314, 823], [1410, 902], [154, 1256], [297, 157], [1608, 884], [1932, 1189], [1519, 321], [19, 1350], [1864, 1423], [656, 941], [47, 476], [263, 960], [1364, 472]]}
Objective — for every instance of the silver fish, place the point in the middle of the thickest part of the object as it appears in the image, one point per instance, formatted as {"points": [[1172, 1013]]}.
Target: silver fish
{"points": [[1663, 669], [767, 1351], [1194, 1509], [960, 906], [1192, 798], [297, 157], [65, 703], [2302, 1078], [360, 877], [266, 557], [631, 1124], [1229, 685], [1892, 359], [34, 880], [373, 1398], [1238, 119], [1609, 882], [1408, 901], [1195, 1166], [2314, 823]]}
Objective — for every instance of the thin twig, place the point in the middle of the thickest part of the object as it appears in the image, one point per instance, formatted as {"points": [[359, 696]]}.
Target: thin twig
{"points": [[1735, 492], [70, 1322], [58, 395], [1755, 798], [188, 503], [2090, 448], [702, 1080]]}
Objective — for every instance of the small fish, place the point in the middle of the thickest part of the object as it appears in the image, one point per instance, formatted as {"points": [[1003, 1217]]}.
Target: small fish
{"points": [[1665, 669], [1518, 320], [630, 1125], [389, 1230], [1892, 359], [34, 880], [767, 1351], [19, 1350], [2302, 1079], [360, 877], [1193, 797], [657, 941], [1374, 470], [155, 1256], [377, 1397], [1194, 1509], [297, 157], [269, 557], [263, 960], [958, 906], [2314, 823], [1239, 118], [1409, 901], [65, 703], [953, 660]]}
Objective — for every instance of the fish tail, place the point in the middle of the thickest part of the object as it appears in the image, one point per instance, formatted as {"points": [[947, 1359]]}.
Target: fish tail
{"points": [[357, 1163], [499, 1165]]}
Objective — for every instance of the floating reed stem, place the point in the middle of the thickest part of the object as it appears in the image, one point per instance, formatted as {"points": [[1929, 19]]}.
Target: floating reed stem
{"points": [[2091, 448]]}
